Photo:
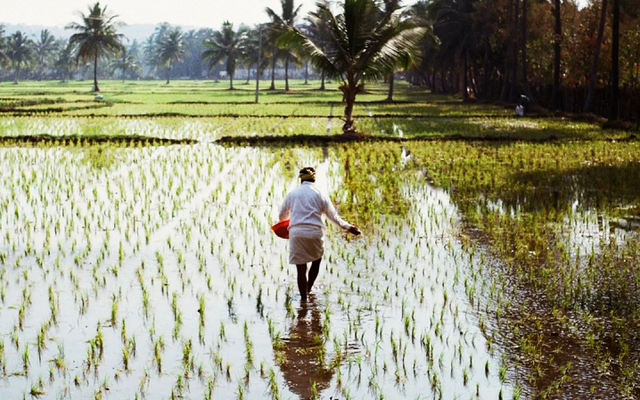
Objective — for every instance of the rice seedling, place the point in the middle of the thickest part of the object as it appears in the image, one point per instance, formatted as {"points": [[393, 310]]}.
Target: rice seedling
{"points": [[164, 241]]}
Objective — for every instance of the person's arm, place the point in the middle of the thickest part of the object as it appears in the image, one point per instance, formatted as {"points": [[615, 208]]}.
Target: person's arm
{"points": [[332, 215], [285, 210]]}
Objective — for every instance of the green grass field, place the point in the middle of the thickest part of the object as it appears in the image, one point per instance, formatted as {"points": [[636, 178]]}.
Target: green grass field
{"points": [[301, 111]]}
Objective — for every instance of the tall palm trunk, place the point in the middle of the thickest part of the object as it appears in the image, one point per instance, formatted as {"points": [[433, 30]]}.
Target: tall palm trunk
{"points": [[231, 81], [506, 78], [306, 72], [615, 61], [95, 74], [443, 79], [391, 81], [434, 77], [322, 81], [273, 70], [485, 67], [514, 62], [15, 80], [588, 105], [169, 72], [525, 81], [465, 81], [286, 73], [350, 98], [555, 93]]}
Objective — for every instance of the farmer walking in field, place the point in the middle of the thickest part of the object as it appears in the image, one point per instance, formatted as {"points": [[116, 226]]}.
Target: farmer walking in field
{"points": [[304, 208]]}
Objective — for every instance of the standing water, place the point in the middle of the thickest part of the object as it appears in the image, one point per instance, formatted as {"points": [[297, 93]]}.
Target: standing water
{"points": [[151, 271]]}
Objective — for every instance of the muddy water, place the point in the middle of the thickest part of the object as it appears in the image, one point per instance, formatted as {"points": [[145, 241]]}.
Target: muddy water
{"points": [[166, 254]]}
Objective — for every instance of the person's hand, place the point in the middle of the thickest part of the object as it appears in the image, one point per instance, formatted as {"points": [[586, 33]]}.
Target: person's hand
{"points": [[354, 230]]}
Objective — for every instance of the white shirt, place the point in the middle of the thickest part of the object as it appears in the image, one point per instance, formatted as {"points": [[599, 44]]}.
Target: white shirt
{"points": [[304, 207]]}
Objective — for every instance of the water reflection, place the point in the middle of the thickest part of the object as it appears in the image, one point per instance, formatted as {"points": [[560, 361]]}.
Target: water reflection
{"points": [[304, 368]]}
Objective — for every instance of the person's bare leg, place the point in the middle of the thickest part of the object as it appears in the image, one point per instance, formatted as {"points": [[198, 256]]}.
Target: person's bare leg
{"points": [[313, 273], [302, 281]]}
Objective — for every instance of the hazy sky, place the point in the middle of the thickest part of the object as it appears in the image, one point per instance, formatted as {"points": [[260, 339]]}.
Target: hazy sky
{"points": [[195, 13]]}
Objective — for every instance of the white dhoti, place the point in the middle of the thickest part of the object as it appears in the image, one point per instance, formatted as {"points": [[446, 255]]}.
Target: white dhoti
{"points": [[305, 244]]}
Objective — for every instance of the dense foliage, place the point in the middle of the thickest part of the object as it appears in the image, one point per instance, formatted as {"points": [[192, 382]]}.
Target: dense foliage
{"points": [[566, 55]]}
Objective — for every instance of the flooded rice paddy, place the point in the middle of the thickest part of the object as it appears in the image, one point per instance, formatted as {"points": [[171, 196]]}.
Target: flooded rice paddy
{"points": [[133, 272], [151, 272]]}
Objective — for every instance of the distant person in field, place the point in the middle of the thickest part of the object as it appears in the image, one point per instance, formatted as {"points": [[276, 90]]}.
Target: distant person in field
{"points": [[304, 208]]}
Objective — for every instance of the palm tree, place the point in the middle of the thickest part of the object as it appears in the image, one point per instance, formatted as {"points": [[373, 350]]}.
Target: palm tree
{"points": [[555, 93], [193, 46], [171, 48], [274, 52], [426, 71], [404, 64], [126, 61], [96, 37], [65, 62], [134, 52], [225, 43], [366, 41], [3, 50], [453, 25], [20, 50], [45, 46], [593, 76], [523, 51], [615, 60], [150, 53], [280, 24], [151, 47], [318, 30], [253, 52]]}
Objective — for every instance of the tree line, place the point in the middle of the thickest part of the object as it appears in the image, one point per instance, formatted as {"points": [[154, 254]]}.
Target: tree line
{"points": [[559, 55], [168, 53]]}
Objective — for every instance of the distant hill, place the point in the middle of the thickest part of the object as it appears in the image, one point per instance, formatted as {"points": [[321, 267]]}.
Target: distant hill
{"points": [[138, 32]]}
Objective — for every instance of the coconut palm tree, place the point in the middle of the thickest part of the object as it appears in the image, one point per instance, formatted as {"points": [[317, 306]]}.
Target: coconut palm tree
{"points": [[593, 76], [273, 52], [65, 63], [134, 52], [151, 47], [3, 50], [630, 8], [426, 71], [280, 24], [193, 45], [366, 41], [45, 46], [96, 37], [253, 51], [150, 53], [453, 25], [318, 30], [228, 44], [20, 50], [171, 49], [124, 62], [615, 61], [557, 47], [418, 14]]}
